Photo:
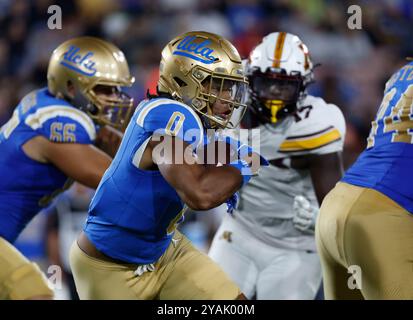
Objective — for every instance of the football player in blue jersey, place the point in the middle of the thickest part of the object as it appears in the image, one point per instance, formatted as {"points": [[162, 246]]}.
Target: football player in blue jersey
{"points": [[365, 227], [48, 143], [130, 248]]}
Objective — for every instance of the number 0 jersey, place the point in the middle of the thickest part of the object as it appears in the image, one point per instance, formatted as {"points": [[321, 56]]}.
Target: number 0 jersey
{"points": [[386, 164], [27, 185], [134, 212]]}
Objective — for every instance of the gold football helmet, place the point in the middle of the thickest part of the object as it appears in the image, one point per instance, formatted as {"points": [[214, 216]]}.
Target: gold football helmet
{"points": [[203, 69], [81, 65]]}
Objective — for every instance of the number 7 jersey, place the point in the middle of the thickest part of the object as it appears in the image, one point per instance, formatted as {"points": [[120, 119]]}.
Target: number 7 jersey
{"points": [[386, 164]]}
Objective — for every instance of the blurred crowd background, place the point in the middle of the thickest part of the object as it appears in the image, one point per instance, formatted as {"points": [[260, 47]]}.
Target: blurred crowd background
{"points": [[354, 64]]}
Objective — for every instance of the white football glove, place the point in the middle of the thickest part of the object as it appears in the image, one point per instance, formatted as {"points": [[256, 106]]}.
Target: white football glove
{"points": [[305, 214]]}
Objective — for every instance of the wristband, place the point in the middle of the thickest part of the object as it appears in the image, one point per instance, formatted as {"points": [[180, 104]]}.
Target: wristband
{"points": [[244, 169]]}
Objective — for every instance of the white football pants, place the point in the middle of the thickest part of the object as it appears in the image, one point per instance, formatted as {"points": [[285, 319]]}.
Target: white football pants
{"points": [[264, 271]]}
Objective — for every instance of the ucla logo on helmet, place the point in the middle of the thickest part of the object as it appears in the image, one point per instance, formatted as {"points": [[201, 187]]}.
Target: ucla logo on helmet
{"points": [[197, 51], [79, 63]]}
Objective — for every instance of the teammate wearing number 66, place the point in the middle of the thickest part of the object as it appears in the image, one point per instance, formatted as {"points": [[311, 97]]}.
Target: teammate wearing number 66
{"points": [[130, 248], [50, 141], [366, 220]]}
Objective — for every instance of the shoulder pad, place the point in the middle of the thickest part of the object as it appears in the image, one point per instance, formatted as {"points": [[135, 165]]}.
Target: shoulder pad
{"points": [[317, 126]]}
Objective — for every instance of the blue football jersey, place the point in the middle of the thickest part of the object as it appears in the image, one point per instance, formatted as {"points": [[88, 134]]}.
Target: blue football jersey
{"points": [[27, 185], [134, 212], [386, 164]]}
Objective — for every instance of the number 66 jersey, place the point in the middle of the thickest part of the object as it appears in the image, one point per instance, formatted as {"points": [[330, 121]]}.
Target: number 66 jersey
{"points": [[386, 164]]}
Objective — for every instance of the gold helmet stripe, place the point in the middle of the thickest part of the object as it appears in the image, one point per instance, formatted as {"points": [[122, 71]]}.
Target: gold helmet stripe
{"points": [[304, 48], [279, 49]]}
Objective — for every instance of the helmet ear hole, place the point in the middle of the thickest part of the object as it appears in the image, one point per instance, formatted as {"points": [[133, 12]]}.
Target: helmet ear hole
{"points": [[206, 80], [70, 87], [69, 84], [180, 82]]}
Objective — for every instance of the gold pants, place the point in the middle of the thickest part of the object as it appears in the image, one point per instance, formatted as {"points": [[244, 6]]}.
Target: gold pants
{"points": [[19, 278], [362, 229], [183, 272]]}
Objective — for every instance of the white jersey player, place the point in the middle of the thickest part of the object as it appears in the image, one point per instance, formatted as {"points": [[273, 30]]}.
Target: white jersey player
{"points": [[267, 246]]}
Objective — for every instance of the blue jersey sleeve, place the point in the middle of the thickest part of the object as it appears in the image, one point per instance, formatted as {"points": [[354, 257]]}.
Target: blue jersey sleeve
{"points": [[172, 118], [63, 124]]}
